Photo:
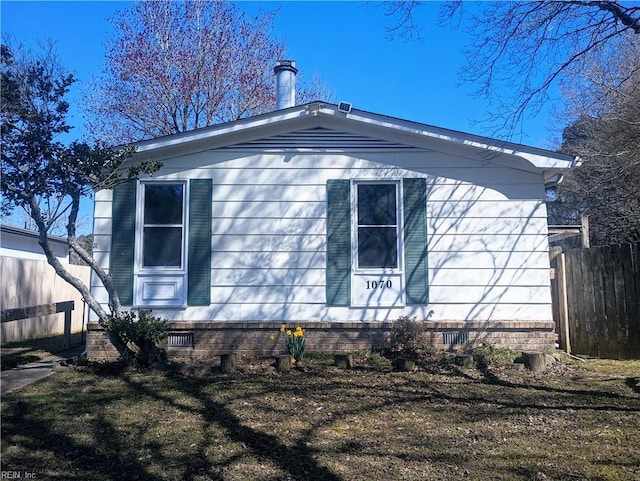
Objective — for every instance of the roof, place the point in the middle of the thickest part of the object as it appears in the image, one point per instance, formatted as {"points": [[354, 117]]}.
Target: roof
{"points": [[326, 120], [9, 229]]}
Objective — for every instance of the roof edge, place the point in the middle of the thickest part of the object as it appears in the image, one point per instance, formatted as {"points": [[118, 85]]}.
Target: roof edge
{"points": [[10, 229], [535, 155]]}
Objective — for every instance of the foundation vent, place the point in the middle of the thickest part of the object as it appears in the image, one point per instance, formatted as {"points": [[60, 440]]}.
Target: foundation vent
{"points": [[181, 339], [455, 338]]}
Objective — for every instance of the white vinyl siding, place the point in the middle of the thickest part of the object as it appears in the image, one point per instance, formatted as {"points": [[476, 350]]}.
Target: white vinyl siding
{"points": [[486, 231]]}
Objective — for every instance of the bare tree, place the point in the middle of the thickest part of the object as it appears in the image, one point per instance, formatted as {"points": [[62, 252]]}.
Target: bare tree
{"points": [[606, 135], [590, 51], [530, 45], [176, 66]]}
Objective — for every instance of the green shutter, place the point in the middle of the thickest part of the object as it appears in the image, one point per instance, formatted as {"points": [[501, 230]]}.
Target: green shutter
{"points": [[338, 276], [123, 234], [415, 240], [199, 262]]}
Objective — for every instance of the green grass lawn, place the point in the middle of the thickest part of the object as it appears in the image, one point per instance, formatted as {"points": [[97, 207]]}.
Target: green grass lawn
{"points": [[321, 423]]}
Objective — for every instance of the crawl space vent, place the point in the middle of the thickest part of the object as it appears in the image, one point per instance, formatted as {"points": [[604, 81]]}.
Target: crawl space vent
{"points": [[180, 339], [455, 338]]}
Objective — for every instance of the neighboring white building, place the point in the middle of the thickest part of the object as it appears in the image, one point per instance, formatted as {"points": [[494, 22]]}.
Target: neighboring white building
{"points": [[28, 280], [336, 218], [23, 244]]}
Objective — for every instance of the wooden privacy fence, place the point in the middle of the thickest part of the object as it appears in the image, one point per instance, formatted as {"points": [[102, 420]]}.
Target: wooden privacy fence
{"points": [[21, 313], [32, 282], [596, 296]]}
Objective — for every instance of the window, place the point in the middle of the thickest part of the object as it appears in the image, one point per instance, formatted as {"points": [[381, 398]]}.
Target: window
{"points": [[354, 256], [153, 223], [377, 225], [163, 226]]}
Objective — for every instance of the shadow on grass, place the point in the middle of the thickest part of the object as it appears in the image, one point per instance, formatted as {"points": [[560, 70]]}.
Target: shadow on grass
{"points": [[296, 460], [51, 453], [33, 350], [633, 383], [111, 453], [593, 395], [203, 431]]}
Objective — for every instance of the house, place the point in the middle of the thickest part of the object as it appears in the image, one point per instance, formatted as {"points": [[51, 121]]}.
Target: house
{"points": [[336, 219], [23, 244]]}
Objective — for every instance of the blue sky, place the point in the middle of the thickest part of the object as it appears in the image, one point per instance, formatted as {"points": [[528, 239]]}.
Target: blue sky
{"points": [[345, 43]]}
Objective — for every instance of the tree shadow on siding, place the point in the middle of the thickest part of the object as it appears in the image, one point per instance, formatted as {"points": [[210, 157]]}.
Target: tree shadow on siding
{"points": [[273, 266], [494, 272]]}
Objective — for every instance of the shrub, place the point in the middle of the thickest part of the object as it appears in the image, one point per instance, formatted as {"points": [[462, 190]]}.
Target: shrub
{"points": [[140, 331], [492, 357], [408, 338], [372, 358]]}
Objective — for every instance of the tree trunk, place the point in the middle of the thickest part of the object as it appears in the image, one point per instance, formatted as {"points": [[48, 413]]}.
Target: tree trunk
{"points": [[127, 354]]}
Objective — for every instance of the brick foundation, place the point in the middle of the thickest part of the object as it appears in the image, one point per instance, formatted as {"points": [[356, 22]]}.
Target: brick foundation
{"points": [[263, 339]]}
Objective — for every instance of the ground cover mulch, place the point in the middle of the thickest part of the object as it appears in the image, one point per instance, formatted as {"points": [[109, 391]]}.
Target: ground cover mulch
{"points": [[576, 421]]}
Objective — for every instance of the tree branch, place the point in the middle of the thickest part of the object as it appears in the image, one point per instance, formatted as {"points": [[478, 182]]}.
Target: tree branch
{"points": [[620, 13]]}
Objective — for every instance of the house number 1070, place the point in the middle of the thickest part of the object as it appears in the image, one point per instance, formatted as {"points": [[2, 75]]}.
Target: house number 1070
{"points": [[379, 284]]}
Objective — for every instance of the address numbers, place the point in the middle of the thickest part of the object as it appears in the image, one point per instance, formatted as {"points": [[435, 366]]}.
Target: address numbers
{"points": [[381, 284]]}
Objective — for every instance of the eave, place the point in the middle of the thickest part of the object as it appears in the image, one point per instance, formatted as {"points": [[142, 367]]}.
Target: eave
{"points": [[325, 115], [18, 231]]}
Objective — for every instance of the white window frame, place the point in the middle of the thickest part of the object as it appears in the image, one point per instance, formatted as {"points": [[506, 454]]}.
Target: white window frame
{"points": [[140, 225], [399, 228]]}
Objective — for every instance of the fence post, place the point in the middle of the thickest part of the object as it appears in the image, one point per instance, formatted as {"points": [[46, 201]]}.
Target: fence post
{"points": [[563, 305], [20, 313], [67, 329], [560, 296], [584, 231]]}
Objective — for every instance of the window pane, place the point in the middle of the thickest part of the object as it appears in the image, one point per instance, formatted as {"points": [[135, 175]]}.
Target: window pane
{"points": [[162, 246], [377, 204], [377, 247], [163, 204]]}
